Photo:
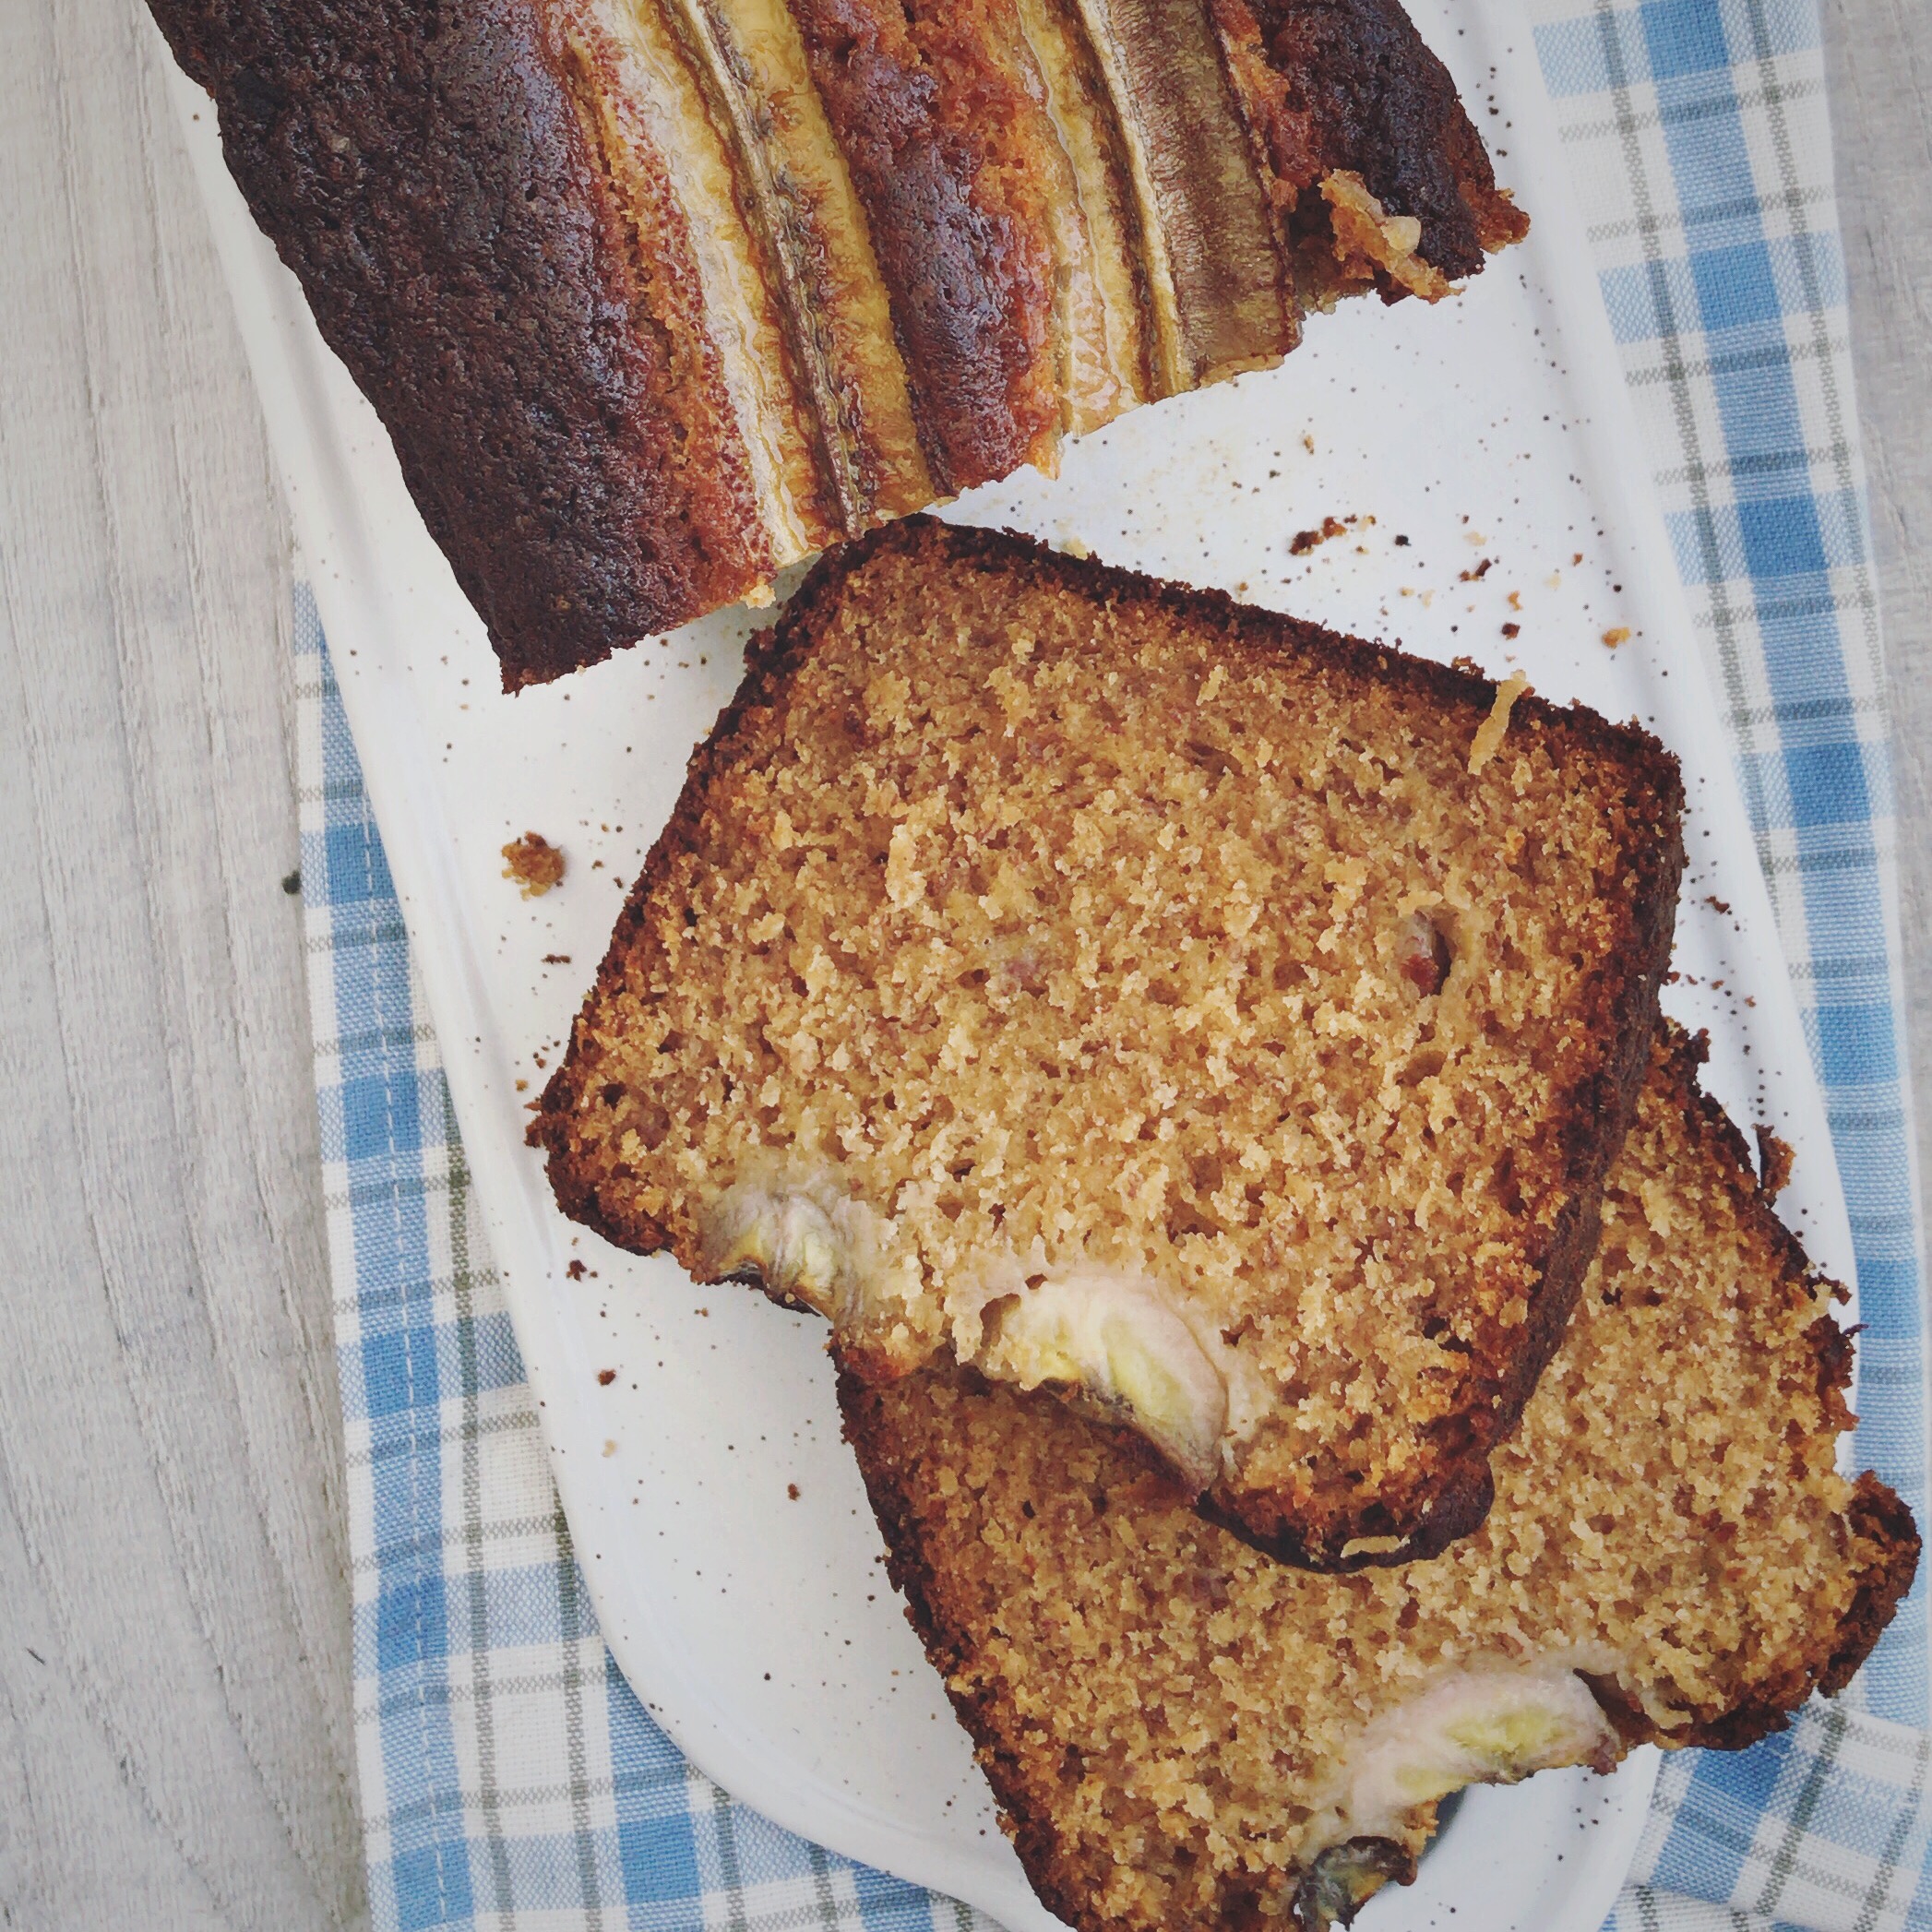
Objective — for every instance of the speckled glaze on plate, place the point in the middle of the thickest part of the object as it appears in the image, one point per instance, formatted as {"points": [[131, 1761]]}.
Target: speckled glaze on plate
{"points": [[1479, 468]]}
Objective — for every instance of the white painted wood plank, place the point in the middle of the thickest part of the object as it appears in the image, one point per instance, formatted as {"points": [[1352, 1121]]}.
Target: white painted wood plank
{"points": [[79, 1845], [179, 1746], [1880, 54]]}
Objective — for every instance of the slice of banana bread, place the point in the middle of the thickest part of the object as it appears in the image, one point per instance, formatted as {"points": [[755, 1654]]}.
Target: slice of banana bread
{"points": [[1183, 1734], [1224, 1022]]}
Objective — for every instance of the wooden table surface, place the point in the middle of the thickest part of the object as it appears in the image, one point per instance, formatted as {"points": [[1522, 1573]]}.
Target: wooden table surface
{"points": [[174, 1655]]}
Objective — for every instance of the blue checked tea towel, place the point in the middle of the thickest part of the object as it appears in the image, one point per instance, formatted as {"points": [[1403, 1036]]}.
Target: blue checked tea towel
{"points": [[511, 1781]]}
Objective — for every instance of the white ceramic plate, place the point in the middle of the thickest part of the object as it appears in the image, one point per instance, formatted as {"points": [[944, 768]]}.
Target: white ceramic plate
{"points": [[759, 1629]]}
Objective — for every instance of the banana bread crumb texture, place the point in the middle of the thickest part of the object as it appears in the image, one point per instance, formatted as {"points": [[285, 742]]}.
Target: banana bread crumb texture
{"points": [[1184, 1734], [1131, 992]]}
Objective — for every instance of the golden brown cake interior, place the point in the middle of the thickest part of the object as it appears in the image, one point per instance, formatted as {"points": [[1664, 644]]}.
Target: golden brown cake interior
{"points": [[1224, 1022], [1183, 1734]]}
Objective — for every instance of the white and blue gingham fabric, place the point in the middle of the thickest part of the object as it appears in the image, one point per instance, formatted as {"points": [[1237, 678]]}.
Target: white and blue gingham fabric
{"points": [[510, 1779]]}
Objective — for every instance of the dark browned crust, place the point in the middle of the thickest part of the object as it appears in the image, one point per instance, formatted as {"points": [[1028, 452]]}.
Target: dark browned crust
{"points": [[1452, 1497], [1882, 1525], [1457, 1508], [524, 311], [1355, 87], [916, 114], [425, 170]]}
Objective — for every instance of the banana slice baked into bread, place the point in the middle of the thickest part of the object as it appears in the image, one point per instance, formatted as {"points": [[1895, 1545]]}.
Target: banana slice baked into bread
{"points": [[1224, 1022], [1183, 1734], [657, 296]]}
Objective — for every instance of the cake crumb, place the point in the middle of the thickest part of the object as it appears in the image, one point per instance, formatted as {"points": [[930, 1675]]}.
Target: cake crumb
{"points": [[1173, 866], [1490, 733], [1267, 1680], [1304, 541], [1512, 630], [605, 1377], [1618, 634], [534, 862], [1774, 1162], [556, 959], [574, 1270], [792, 1491]]}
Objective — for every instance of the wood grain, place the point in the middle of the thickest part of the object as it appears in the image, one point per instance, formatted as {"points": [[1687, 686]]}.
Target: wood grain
{"points": [[174, 1652], [176, 1744], [1879, 57]]}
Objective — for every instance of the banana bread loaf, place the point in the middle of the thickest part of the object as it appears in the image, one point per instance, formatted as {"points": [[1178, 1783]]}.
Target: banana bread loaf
{"points": [[658, 296]]}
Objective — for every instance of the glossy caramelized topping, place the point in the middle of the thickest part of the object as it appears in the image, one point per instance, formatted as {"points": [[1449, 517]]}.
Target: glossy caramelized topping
{"points": [[659, 296]]}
